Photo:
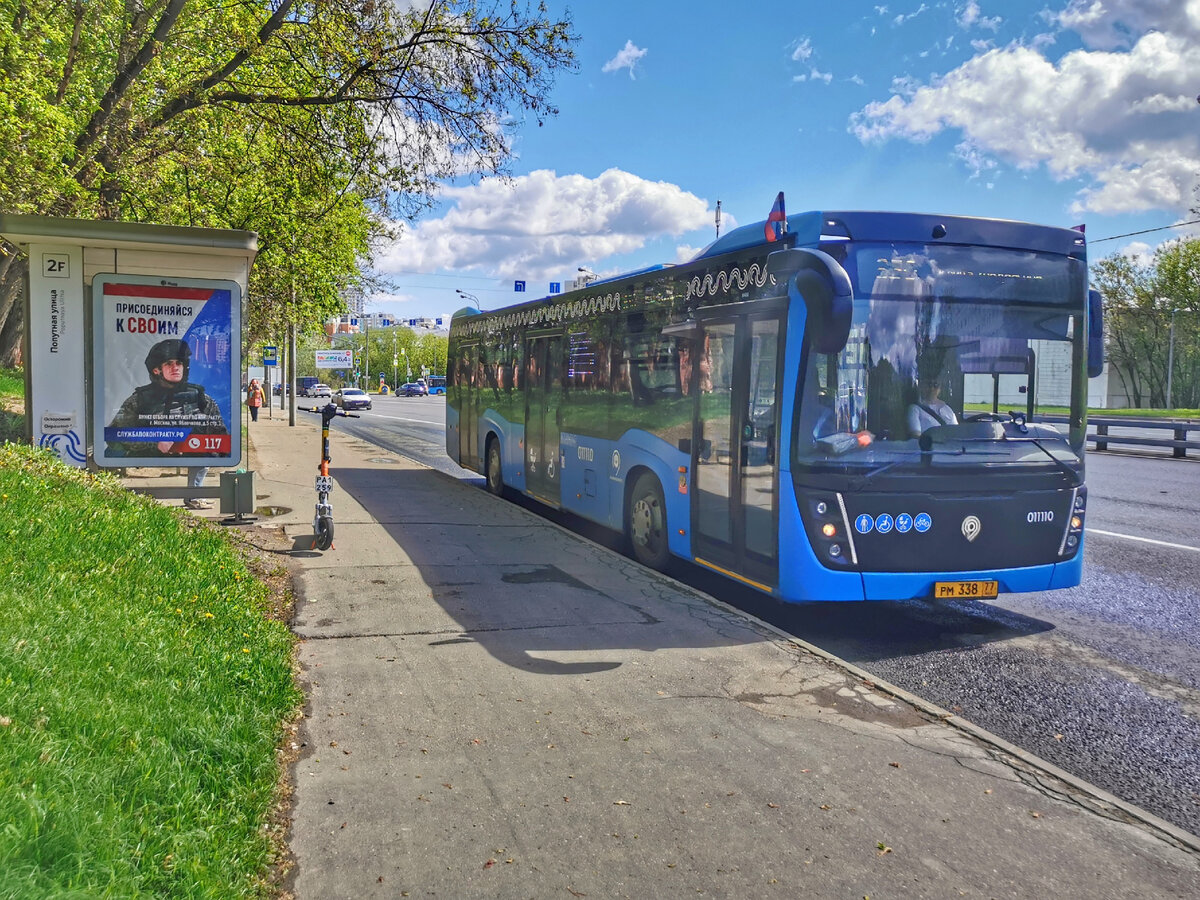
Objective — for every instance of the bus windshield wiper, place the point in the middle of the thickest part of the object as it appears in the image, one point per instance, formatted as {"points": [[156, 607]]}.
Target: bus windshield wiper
{"points": [[1058, 462]]}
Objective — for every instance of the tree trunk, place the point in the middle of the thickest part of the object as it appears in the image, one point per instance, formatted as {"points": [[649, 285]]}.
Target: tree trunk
{"points": [[12, 309]]}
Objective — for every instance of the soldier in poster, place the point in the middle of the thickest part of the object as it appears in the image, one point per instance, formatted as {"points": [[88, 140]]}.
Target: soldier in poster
{"points": [[157, 417]]}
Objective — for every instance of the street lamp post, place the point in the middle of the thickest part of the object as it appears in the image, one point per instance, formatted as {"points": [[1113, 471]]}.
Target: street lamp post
{"points": [[407, 365], [395, 361], [467, 296]]}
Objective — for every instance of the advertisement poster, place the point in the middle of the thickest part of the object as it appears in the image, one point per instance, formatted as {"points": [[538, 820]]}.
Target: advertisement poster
{"points": [[167, 359], [335, 359]]}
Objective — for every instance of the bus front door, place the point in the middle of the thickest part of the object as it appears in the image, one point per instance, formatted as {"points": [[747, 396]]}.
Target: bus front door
{"points": [[543, 399], [736, 484]]}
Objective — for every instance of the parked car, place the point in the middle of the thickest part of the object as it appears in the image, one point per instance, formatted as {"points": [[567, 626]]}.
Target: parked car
{"points": [[412, 389], [318, 390], [352, 398]]}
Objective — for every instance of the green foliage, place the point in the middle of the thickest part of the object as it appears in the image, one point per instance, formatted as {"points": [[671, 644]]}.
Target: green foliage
{"points": [[309, 123], [1152, 318], [143, 692], [407, 348]]}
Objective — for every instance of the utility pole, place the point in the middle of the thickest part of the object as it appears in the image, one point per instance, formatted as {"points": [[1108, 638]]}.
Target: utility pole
{"points": [[718, 218]]}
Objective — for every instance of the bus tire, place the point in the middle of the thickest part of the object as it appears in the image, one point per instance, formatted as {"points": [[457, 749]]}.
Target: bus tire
{"points": [[646, 523], [492, 470]]}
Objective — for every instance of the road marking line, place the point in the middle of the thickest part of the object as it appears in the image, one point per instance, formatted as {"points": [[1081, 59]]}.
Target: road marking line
{"points": [[1130, 537], [403, 419]]}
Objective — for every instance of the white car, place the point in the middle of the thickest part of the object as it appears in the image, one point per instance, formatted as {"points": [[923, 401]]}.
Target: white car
{"points": [[320, 390]]}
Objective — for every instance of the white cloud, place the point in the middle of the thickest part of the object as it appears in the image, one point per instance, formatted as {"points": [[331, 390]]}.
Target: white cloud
{"points": [[1125, 121], [539, 225], [626, 58], [904, 17], [802, 51], [1118, 24], [970, 16]]}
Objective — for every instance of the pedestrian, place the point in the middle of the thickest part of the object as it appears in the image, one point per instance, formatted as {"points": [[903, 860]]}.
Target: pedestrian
{"points": [[198, 474], [255, 398]]}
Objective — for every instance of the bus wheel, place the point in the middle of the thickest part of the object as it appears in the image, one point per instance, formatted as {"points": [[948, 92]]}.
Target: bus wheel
{"points": [[495, 479], [647, 523]]}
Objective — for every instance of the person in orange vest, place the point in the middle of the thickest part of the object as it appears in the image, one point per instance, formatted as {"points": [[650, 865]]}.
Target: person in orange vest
{"points": [[255, 398]]}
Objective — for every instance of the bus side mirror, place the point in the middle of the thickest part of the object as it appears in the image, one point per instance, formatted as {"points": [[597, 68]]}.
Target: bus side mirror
{"points": [[824, 287], [1095, 348]]}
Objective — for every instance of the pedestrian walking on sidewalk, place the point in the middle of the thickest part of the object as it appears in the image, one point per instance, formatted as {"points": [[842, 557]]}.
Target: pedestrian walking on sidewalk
{"points": [[255, 398]]}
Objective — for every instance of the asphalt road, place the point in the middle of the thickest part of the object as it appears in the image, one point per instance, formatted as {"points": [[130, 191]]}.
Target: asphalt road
{"points": [[1102, 680]]}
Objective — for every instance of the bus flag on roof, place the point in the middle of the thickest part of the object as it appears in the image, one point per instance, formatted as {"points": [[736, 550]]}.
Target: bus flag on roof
{"points": [[777, 221]]}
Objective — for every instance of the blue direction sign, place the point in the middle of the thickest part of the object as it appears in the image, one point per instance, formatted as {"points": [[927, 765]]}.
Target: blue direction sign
{"points": [[270, 356], [556, 287], [518, 285]]}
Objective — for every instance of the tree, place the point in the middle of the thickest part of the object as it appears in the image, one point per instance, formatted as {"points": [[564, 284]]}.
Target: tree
{"points": [[1177, 282], [311, 122], [1143, 305]]}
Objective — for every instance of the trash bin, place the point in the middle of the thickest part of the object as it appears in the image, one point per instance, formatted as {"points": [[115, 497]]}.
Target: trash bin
{"points": [[237, 494]]}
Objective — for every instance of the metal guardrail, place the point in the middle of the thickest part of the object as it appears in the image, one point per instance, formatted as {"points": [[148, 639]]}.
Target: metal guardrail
{"points": [[1101, 434]]}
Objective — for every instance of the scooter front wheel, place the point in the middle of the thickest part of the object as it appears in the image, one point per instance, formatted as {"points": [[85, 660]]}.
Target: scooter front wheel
{"points": [[324, 539]]}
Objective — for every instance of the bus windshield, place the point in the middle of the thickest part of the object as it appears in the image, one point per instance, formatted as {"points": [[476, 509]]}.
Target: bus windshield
{"points": [[951, 349]]}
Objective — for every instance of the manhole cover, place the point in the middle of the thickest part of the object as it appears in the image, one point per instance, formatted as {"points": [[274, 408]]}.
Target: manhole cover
{"points": [[382, 459]]}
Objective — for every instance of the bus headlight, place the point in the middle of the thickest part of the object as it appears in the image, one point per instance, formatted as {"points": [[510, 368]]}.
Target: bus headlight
{"points": [[826, 527], [1074, 532]]}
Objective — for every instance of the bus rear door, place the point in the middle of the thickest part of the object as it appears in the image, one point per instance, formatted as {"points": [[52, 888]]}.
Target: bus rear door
{"points": [[543, 417], [468, 413]]}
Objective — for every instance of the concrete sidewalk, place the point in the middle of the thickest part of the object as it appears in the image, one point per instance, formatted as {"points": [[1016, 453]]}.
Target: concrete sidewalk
{"points": [[498, 708]]}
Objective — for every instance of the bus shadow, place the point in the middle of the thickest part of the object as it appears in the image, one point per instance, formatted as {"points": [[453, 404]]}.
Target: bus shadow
{"points": [[865, 633], [857, 632], [532, 595], [521, 589]]}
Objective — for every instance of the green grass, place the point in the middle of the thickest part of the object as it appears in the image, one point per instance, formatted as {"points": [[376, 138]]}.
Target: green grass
{"points": [[143, 692], [12, 393]]}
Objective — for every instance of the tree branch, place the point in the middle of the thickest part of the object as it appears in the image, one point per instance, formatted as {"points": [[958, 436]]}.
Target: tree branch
{"points": [[128, 75]]}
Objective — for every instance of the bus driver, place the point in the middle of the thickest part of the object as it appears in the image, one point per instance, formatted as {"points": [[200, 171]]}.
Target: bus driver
{"points": [[930, 409]]}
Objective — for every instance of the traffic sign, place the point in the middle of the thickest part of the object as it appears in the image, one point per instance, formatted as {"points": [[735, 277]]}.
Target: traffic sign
{"points": [[270, 356]]}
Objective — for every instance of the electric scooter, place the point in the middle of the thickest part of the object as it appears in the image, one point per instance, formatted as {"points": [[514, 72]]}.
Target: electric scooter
{"points": [[323, 520]]}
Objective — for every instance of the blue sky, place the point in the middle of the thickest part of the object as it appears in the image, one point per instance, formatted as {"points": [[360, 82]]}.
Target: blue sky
{"points": [[1060, 112]]}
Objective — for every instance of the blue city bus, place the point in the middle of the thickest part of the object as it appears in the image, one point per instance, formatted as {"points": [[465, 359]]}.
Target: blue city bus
{"points": [[768, 411]]}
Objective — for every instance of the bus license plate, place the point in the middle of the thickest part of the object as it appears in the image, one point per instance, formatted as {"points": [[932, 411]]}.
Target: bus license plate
{"points": [[976, 590]]}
